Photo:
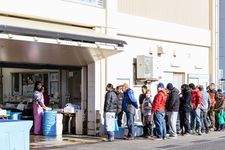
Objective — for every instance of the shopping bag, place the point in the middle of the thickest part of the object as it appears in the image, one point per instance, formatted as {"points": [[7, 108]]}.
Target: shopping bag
{"points": [[116, 127], [220, 118]]}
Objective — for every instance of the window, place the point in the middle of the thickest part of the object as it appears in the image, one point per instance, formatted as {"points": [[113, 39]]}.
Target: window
{"points": [[95, 3], [16, 84]]}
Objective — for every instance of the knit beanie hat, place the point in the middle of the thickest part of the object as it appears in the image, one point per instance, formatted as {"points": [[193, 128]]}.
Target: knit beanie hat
{"points": [[169, 86], [160, 85]]}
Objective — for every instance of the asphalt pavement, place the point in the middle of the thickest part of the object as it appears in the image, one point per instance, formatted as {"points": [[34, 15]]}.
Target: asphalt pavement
{"points": [[211, 141]]}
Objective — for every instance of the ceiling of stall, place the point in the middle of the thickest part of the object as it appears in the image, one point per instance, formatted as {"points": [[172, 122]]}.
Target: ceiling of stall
{"points": [[18, 51]]}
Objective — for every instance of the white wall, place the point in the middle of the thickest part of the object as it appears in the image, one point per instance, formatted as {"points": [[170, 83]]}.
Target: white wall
{"points": [[55, 10], [222, 37], [188, 57], [187, 12], [158, 30]]}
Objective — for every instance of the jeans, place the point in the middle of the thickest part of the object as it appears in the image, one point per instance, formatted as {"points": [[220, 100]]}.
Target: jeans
{"points": [[130, 124], [195, 119], [185, 122], [204, 121], [111, 136], [211, 114], [147, 128], [172, 123], [160, 125]]}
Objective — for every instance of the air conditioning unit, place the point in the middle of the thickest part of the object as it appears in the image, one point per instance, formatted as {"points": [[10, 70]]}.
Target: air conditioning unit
{"points": [[144, 67]]}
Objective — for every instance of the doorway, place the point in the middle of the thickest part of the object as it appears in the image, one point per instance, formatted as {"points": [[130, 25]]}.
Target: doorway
{"points": [[178, 80]]}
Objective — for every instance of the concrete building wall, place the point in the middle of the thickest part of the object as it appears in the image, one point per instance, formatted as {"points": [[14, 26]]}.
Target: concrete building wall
{"points": [[186, 12], [222, 36], [66, 12]]}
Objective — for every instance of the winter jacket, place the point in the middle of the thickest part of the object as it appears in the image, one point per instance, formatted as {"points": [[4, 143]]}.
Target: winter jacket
{"points": [[196, 98], [185, 101], [173, 100], [220, 103], [205, 100], [129, 101], [111, 100], [141, 99], [146, 107], [159, 101], [213, 97], [120, 103]]}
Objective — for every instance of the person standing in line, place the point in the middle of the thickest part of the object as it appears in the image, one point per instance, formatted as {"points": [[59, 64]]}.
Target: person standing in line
{"points": [[130, 105], [196, 106], [172, 108], [119, 92], [219, 111], [146, 110], [158, 108], [142, 96], [204, 109], [213, 98], [110, 109], [185, 109], [38, 107]]}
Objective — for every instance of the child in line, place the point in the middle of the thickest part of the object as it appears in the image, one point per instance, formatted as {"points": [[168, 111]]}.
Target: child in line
{"points": [[148, 119]]}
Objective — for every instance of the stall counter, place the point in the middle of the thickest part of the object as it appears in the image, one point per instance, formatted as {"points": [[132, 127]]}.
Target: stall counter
{"points": [[15, 134]]}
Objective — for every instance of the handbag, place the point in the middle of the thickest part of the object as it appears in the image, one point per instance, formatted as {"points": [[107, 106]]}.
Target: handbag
{"points": [[116, 127]]}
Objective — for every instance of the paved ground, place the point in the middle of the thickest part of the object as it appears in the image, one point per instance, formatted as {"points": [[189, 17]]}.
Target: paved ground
{"points": [[212, 141]]}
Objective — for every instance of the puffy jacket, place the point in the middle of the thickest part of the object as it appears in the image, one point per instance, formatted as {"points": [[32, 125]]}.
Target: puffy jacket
{"points": [[220, 103], [146, 106], [185, 101], [120, 102], [159, 101], [129, 101], [173, 100], [196, 98], [213, 97], [111, 100]]}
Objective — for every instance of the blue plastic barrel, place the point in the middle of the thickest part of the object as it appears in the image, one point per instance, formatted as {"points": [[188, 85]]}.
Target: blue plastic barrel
{"points": [[49, 123], [15, 115]]}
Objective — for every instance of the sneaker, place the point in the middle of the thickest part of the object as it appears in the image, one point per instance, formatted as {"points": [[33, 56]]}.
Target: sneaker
{"points": [[199, 133], [173, 137], [187, 134]]}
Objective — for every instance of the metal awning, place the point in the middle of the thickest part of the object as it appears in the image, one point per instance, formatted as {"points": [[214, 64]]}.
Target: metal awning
{"points": [[35, 43]]}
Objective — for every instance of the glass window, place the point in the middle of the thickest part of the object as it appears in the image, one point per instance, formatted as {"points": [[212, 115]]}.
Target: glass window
{"points": [[95, 3], [16, 84]]}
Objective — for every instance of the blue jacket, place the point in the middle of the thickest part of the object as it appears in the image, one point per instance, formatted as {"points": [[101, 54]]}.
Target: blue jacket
{"points": [[129, 101]]}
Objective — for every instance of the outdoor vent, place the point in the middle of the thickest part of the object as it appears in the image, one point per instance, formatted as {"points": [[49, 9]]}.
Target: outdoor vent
{"points": [[144, 67]]}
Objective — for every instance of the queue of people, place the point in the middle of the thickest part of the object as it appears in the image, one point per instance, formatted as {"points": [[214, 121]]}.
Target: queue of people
{"points": [[198, 110]]}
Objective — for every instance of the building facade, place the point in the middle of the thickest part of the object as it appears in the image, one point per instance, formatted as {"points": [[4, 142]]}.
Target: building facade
{"points": [[221, 41], [116, 41]]}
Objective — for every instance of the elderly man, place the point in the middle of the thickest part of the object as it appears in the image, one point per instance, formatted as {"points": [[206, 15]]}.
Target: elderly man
{"points": [[129, 106]]}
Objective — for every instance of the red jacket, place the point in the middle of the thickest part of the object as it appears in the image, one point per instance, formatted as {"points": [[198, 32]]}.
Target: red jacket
{"points": [[196, 98], [159, 101]]}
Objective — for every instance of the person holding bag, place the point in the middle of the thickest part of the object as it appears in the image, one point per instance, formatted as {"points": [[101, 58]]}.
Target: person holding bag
{"points": [[110, 109]]}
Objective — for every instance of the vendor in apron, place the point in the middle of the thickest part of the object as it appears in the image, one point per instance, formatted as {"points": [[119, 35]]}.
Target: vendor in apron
{"points": [[38, 107]]}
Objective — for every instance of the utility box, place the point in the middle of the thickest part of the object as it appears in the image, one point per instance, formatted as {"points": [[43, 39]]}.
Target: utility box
{"points": [[144, 67]]}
